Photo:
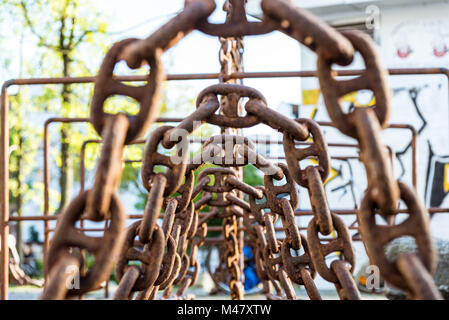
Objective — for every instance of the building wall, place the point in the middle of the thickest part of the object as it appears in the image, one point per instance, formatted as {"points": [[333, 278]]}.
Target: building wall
{"points": [[418, 37], [409, 37]]}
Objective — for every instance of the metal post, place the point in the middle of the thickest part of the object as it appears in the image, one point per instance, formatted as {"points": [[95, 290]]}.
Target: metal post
{"points": [[4, 191], [47, 177]]}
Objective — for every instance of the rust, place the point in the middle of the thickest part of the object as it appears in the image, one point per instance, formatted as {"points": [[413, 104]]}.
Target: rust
{"points": [[375, 78], [105, 250], [150, 258], [377, 237], [148, 95]]}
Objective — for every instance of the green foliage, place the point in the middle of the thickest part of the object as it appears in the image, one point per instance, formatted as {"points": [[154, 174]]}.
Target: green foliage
{"points": [[252, 176], [58, 38], [39, 268]]}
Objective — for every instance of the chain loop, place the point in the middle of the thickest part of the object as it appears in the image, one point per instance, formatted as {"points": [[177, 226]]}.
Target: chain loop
{"points": [[273, 191], [148, 96], [150, 258], [317, 149], [375, 78], [319, 251], [376, 237], [176, 170], [66, 239]]}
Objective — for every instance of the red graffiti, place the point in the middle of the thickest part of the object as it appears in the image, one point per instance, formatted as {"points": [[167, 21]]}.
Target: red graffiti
{"points": [[403, 54], [440, 52]]}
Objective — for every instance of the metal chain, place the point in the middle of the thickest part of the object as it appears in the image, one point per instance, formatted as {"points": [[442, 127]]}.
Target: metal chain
{"points": [[167, 252], [230, 56]]}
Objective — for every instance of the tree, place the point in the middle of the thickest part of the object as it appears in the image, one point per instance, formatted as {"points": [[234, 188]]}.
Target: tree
{"points": [[62, 38], [22, 137], [53, 37], [64, 29]]}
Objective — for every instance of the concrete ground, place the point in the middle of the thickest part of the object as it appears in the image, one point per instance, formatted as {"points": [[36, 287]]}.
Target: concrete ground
{"points": [[32, 293]]}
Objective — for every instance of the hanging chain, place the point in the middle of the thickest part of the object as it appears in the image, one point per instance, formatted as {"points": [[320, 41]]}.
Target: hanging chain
{"points": [[165, 243], [230, 56]]}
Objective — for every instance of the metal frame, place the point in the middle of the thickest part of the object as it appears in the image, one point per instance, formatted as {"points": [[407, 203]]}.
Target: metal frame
{"points": [[5, 218]]}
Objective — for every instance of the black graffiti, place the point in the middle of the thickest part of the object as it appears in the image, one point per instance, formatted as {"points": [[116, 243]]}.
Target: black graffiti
{"points": [[348, 184], [435, 191]]}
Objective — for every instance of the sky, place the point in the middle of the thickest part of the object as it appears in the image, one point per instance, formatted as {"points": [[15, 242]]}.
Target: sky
{"points": [[198, 53]]}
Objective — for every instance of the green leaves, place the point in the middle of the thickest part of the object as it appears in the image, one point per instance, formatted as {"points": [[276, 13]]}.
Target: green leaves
{"points": [[54, 32]]}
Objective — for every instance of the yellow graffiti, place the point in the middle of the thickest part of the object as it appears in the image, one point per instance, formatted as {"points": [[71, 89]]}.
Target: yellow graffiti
{"points": [[446, 177], [333, 173], [352, 98], [312, 97]]}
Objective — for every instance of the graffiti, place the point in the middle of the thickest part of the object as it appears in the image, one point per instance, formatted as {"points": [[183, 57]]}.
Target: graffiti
{"points": [[342, 173], [440, 50], [403, 50], [417, 110], [413, 40], [347, 185], [437, 186], [413, 93]]}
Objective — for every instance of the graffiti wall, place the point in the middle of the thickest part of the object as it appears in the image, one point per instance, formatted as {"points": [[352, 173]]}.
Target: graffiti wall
{"points": [[411, 37], [421, 39]]}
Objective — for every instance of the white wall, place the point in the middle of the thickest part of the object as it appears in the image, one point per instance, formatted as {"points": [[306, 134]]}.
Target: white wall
{"points": [[425, 30], [418, 37], [410, 37]]}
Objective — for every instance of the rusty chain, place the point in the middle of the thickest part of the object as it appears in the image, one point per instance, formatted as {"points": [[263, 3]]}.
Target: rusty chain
{"points": [[152, 257]]}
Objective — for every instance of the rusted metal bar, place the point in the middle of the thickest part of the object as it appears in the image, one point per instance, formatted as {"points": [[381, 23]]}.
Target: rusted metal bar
{"points": [[277, 229], [213, 241], [47, 171], [55, 217], [262, 141], [322, 123], [209, 229], [84, 229], [298, 213], [214, 76], [4, 194]]}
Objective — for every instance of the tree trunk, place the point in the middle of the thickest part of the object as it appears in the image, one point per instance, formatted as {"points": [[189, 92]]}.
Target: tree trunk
{"points": [[66, 170]]}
